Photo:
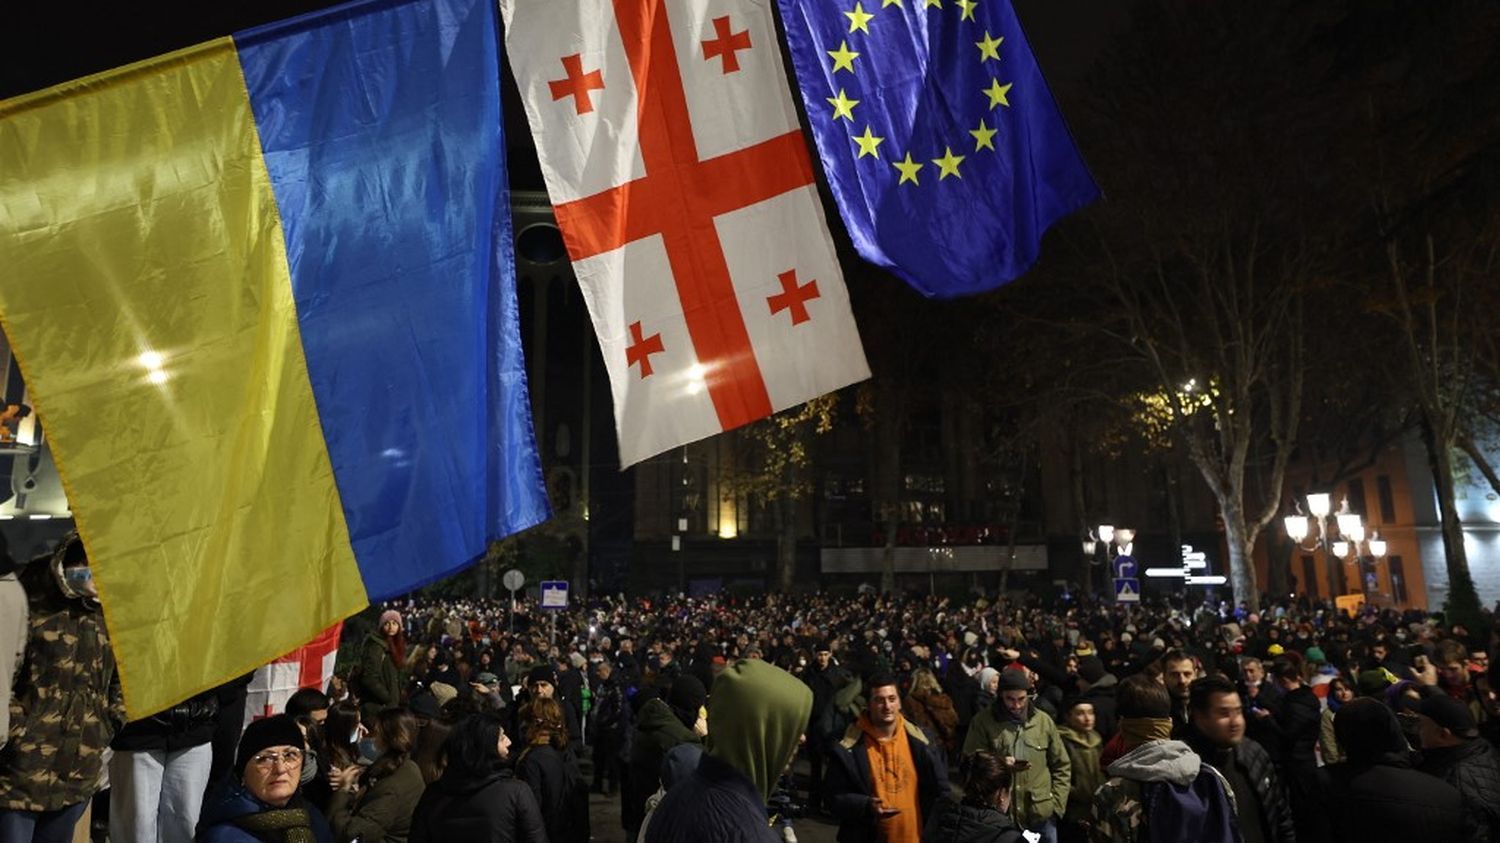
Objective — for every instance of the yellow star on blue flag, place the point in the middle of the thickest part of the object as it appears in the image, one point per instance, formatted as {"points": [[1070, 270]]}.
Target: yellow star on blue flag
{"points": [[932, 85]]}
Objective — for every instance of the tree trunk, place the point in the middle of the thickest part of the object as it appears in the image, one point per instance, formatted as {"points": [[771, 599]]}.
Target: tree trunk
{"points": [[1463, 600], [1080, 511], [786, 543], [1279, 563], [1241, 563], [888, 425]]}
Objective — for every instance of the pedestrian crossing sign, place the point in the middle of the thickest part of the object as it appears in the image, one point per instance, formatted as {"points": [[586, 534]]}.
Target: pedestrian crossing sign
{"points": [[1127, 590]]}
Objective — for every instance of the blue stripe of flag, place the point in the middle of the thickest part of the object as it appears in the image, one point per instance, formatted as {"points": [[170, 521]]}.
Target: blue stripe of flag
{"points": [[380, 124]]}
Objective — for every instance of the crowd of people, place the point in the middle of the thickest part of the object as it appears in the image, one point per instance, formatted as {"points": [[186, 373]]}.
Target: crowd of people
{"points": [[917, 719]]}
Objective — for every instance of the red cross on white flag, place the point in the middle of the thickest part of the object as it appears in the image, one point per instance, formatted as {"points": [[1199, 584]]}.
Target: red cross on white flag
{"points": [[680, 178]]}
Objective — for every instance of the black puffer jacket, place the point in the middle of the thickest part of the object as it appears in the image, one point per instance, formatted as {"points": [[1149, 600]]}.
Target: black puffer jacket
{"points": [[497, 809], [1276, 809], [953, 822], [1473, 768], [1388, 800]]}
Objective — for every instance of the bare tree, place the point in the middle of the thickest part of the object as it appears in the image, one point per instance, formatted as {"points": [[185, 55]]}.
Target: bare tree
{"points": [[774, 469]]}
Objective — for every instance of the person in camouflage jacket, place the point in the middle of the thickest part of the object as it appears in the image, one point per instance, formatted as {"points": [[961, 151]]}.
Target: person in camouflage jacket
{"points": [[66, 705]]}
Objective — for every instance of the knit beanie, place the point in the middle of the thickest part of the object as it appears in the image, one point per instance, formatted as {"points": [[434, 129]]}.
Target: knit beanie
{"points": [[1014, 680], [687, 694], [263, 734], [1367, 730], [542, 673], [1090, 669], [389, 615], [443, 693]]}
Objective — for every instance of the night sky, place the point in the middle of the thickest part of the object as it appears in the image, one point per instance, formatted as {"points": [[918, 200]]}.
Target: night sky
{"points": [[48, 43]]}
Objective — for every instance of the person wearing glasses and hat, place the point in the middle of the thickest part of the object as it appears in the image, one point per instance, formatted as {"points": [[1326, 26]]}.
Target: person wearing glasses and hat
{"points": [[265, 802]]}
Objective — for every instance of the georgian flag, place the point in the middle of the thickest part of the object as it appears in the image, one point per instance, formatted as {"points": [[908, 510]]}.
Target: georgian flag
{"points": [[308, 666], [682, 185]]}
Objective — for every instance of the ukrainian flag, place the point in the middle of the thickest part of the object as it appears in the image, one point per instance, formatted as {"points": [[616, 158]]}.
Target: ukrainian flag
{"points": [[263, 296]]}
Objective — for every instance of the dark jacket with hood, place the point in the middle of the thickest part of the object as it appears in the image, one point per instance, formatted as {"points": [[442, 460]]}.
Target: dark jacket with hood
{"points": [[657, 730], [849, 784], [756, 717], [1375, 794], [1473, 768], [379, 677], [494, 809], [954, 822], [66, 705], [217, 823]]}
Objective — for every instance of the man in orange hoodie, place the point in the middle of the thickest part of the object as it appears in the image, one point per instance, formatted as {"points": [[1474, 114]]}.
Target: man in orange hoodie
{"points": [[886, 774]]}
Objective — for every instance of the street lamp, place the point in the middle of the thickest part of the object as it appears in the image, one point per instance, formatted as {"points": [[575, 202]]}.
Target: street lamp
{"points": [[1106, 542], [1339, 534]]}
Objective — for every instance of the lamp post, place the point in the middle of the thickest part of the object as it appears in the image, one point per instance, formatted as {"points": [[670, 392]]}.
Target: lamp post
{"points": [[1338, 534], [1106, 543]]}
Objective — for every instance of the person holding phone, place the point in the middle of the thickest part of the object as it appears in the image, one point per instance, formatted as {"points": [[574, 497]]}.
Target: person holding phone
{"points": [[886, 775]]}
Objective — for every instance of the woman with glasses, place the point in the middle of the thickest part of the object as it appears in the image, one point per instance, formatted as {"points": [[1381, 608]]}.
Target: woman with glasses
{"points": [[375, 803], [477, 799], [265, 804]]}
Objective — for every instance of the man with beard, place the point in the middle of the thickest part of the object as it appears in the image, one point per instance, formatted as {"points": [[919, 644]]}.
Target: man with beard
{"points": [[886, 775], [1028, 740], [825, 722]]}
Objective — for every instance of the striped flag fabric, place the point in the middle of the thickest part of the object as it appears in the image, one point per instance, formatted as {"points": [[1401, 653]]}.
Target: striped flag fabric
{"points": [[682, 185], [263, 298]]}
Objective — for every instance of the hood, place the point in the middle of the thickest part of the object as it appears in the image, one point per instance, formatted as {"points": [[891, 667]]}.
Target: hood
{"points": [[985, 676], [756, 714], [1157, 761], [657, 716], [1088, 740]]}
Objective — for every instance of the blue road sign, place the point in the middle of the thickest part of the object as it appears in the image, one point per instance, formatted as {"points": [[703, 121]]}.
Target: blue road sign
{"points": [[1127, 590], [555, 594], [1125, 568]]}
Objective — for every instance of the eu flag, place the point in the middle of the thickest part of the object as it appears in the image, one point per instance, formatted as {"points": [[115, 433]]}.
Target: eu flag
{"points": [[944, 148]]}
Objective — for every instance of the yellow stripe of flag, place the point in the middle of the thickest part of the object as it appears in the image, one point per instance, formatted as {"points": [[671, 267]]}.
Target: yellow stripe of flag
{"points": [[137, 218]]}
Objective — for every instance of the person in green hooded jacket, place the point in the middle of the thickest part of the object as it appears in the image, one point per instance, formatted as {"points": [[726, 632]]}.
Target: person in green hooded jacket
{"points": [[1028, 739], [756, 716]]}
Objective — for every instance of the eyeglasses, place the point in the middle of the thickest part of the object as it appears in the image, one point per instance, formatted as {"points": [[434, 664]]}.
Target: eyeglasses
{"points": [[267, 760]]}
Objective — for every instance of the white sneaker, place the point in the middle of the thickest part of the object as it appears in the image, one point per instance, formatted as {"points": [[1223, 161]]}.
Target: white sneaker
{"points": [[788, 835]]}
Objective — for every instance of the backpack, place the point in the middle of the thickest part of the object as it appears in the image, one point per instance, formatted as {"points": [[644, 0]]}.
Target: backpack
{"points": [[1199, 811]]}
